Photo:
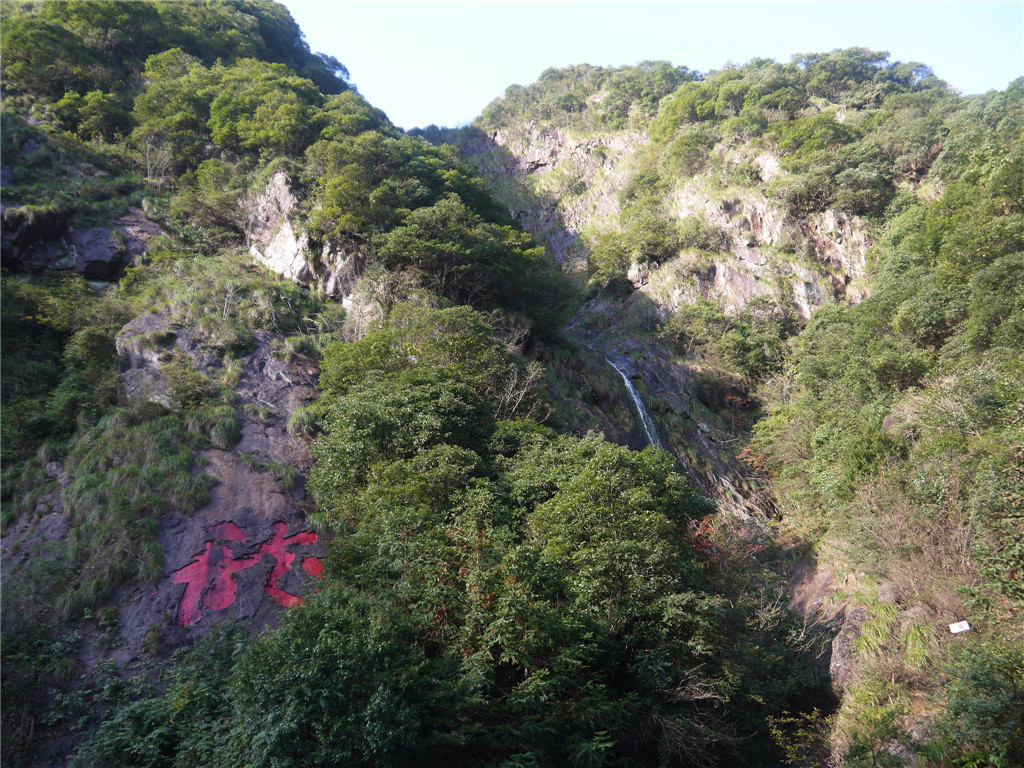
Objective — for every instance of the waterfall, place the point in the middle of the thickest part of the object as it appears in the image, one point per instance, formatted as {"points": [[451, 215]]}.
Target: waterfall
{"points": [[646, 420]]}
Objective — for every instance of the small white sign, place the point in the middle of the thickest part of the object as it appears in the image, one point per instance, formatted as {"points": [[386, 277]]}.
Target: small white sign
{"points": [[960, 626]]}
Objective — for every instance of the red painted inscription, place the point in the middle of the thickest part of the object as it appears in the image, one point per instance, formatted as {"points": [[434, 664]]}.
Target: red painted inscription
{"points": [[209, 577]]}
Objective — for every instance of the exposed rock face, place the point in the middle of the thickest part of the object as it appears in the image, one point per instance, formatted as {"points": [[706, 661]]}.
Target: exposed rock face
{"points": [[278, 242], [717, 473], [801, 262], [639, 274], [41, 239], [98, 253], [841, 243], [29, 539], [250, 549], [760, 245], [565, 185], [136, 231], [32, 236], [844, 647], [143, 345], [272, 207], [542, 160]]}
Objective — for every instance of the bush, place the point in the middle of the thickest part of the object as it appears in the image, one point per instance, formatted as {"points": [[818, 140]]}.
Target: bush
{"points": [[189, 387], [689, 151], [984, 715]]}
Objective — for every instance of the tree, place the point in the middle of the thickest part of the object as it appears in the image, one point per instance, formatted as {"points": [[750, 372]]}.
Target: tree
{"points": [[262, 106], [458, 254], [387, 418], [43, 58], [346, 682], [459, 340], [173, 109]]}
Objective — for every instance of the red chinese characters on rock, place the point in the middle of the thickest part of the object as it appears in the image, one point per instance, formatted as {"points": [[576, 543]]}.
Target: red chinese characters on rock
{"points": [[209, 577]]}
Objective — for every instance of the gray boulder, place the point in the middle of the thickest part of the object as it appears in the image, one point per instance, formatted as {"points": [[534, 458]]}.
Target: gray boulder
{"points": [[99, 253]]}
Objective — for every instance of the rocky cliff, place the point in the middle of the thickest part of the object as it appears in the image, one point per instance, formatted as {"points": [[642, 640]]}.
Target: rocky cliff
{"points": [[557, 183], [565, 189], [279, 241], [248, 551]]}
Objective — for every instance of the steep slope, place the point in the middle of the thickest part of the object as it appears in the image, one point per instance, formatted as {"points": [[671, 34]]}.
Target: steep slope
{"points": [[831, 190], [711, 237], [834, 243], [481, 593]]}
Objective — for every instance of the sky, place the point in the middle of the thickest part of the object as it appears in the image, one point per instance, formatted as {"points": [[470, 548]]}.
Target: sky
{"points": [[443, 62]]}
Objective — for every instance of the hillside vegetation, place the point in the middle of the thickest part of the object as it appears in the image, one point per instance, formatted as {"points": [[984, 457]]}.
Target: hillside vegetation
{"points": [[890, 404], [501, 586]]}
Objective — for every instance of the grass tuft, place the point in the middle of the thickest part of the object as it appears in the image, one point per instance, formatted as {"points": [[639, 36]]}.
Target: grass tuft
{"points": [[920, 644]]}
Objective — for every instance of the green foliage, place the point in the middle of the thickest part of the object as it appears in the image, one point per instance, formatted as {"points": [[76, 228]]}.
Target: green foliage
{"points": [[386, 419], [871, 719], [688, 153], [44, 58], [840, 158], [94, 115], [497, 594], [751, 343], [182, 724], [530, 569], [358, 688], [588, 97], [125, 473], [188, 386], [90, 385], [36, 659], [649, 234], [595, 520], [207, 199], [695, 233], [423, 210], [903, 420], [58, 179], [458, 340], [996, 309], [222, 299], [884, 126], [367, 181], [984, 717], [172, 111], [457, 254], [249, 105], [500, 594], [73, 44], [349, 114], [58, 352], [32, 352], [262, 106], [582, 588]]}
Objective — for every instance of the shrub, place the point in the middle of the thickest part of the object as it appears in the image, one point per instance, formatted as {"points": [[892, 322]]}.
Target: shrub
{"points": [[984, 716]]}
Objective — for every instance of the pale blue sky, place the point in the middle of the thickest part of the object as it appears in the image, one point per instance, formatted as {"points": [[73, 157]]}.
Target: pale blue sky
{"points": [[443, 62]]}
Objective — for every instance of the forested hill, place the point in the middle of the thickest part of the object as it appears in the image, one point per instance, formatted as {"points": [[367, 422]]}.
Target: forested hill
{"points": [[829, 255], [316, 449]]}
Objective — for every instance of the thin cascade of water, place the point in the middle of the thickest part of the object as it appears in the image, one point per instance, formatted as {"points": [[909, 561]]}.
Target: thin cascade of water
{"points": [[646, 420]]}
